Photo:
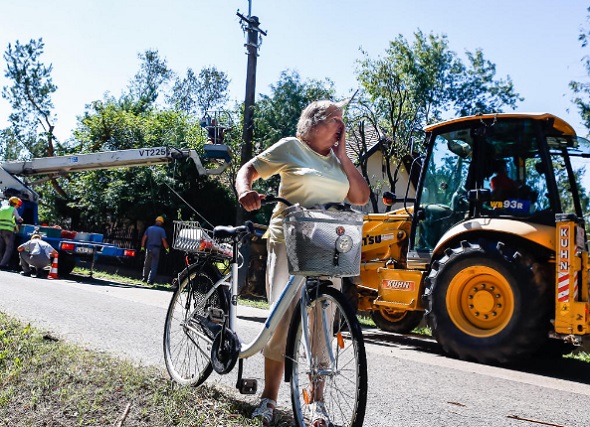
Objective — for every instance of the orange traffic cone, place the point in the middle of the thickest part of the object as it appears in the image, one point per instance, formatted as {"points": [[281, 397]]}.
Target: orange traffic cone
{"points": [[53, 272]]}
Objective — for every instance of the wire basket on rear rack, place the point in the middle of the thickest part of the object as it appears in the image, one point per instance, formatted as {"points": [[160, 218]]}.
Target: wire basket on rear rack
{"points": [[190, 237], [323, 242]]}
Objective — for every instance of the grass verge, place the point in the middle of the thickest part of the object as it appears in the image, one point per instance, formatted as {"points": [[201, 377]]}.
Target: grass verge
{"points": [[99, 274], [44, 381], [582, 356]]}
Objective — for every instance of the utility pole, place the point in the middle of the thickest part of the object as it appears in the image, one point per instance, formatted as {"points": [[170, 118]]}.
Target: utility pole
{"points": [[251, 26]]}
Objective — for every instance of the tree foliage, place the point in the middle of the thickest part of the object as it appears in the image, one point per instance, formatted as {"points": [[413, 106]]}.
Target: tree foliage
{"points": [[198, 94], [145, 86], [581, 89], [277, 114], [128, 196], [413, 84], [478, 91], [32, 121]]}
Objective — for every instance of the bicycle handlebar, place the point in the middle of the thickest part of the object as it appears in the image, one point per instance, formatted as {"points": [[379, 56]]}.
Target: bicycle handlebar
{"points": [[238, 233], [271, 198]]}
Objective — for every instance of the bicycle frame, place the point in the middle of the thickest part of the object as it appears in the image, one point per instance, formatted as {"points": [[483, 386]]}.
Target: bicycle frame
{"points": [[293, 289]]}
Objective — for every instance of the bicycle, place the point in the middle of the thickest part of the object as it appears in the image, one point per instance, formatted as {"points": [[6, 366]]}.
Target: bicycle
{"points": [[325, 356]]}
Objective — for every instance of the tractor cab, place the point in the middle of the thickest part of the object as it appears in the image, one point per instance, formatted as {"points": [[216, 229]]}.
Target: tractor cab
{"points": [[500, 166]]}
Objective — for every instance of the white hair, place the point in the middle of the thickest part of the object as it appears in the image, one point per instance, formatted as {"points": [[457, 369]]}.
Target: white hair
{"points": [[316, 113]]}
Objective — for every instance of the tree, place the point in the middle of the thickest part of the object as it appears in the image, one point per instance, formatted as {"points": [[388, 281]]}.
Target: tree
{"points": [[277, 114], [145, 85], [478, 92], [199, 94], [128, 196], [32, 122], [119, 197], [581, 90], [415, 84]]}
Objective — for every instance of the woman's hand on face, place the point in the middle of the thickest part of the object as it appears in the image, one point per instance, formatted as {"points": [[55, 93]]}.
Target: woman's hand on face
{"points": [[340, 149], [250, 200]]}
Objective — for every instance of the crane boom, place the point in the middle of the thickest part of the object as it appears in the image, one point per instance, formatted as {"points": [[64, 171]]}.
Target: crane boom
{"points": [[62, 165]]}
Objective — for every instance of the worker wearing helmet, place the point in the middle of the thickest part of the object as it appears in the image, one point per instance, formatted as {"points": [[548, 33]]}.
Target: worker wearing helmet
{"points": [[35, 253], [9, 218], [153, 240]]}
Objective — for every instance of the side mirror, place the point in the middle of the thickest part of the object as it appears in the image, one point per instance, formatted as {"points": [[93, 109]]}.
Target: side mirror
{"points": [[420, 215], [388, 198]]}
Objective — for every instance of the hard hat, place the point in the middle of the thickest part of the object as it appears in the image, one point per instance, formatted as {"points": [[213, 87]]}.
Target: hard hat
{"points": [[161, 219], [36, 236], [15, 201]]}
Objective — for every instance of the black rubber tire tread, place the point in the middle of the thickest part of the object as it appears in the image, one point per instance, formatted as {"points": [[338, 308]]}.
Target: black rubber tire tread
{"points": [[209, 276], [356, 336], [554, 349], [65, 264], [350, 292], [531, 284], [406, 323]]}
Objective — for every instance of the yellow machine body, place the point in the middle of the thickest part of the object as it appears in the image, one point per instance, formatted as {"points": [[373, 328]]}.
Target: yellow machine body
{"points": [[385, 240], [571, 278]]}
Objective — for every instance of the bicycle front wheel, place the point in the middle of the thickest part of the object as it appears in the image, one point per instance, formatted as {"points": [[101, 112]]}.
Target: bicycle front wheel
{"points": [[187, 345], [327, 363]]}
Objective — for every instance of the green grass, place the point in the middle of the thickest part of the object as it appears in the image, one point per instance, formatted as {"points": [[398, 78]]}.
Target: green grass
{"points": [[44, 381], [366, 321], [582, 356], [254, 302], [99, 274]]}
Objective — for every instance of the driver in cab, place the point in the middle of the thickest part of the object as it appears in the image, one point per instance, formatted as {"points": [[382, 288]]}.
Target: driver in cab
{"points": [[503, 187]]}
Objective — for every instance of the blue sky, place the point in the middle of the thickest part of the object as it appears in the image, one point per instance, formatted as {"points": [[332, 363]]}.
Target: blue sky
{"points": [[93, 45]]}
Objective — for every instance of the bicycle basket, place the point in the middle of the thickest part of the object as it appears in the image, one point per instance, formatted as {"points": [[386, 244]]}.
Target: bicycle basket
{"points": [[190, 237], [323, 242]]}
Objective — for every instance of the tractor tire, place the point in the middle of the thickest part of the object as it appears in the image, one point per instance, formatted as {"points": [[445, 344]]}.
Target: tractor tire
{"points": [[488, 303], [554, 349], [401, 322]]}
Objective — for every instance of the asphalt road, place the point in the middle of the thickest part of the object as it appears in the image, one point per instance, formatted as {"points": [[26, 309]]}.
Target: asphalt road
{"points": [[410, 382]]}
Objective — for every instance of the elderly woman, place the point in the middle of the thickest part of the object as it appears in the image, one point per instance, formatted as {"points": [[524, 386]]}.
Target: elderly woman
{"points": [[314, 169]]}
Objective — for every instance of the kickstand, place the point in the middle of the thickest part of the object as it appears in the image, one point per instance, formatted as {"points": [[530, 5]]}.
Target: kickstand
{"points": [[245, 385]]}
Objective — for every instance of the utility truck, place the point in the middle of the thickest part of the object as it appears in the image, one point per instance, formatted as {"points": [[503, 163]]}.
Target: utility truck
{"points": [[89, 246], [501, 275]]}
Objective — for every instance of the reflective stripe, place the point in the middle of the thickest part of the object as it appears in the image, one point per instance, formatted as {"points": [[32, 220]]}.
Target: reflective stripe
{"points": [[7, 220]]}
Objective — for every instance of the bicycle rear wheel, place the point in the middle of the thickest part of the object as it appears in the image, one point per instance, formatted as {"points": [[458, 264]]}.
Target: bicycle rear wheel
{"points": [[327, 362], [187, 345]]}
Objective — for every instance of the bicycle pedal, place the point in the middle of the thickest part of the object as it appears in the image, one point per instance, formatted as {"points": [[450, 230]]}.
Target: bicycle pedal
{"points": [[247, 386], [216, 315]]}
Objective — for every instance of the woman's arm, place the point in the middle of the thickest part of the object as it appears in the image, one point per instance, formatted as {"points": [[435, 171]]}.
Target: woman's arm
{"points": [[359, 192], [248, 198]]}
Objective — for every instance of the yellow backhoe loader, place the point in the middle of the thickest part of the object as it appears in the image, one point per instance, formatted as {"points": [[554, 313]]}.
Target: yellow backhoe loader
{"points": [[493, 247]]}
